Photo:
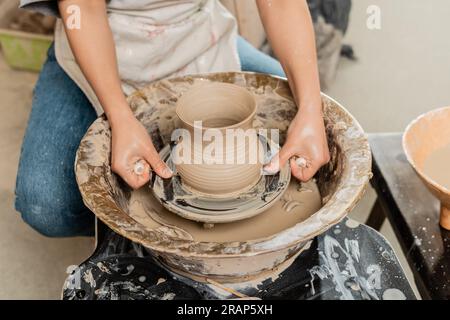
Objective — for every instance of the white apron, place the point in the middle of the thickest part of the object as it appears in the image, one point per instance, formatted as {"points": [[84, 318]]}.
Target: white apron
{"points": [[156, 39]]}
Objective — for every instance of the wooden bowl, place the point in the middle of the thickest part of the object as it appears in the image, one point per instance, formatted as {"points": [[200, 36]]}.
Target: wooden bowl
{"points": [[425, 135]]}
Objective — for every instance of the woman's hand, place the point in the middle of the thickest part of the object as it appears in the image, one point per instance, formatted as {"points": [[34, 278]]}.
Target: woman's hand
{"points": [[306, 139], [132, 144]]}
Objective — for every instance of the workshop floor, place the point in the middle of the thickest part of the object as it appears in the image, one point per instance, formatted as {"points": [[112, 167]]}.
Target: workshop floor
{"points": [[402, 71], [31, 266]]}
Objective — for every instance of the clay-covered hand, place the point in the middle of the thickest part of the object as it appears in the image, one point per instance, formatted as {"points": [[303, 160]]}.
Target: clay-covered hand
{"points": [[306, 147], [131, 144]]}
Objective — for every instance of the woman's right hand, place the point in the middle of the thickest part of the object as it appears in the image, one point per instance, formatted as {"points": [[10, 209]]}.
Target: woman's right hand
{"points": [[132, 144]]}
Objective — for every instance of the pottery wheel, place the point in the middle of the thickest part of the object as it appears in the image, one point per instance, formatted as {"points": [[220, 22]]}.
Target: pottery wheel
{"points": [[339, 185], [203, 208]]}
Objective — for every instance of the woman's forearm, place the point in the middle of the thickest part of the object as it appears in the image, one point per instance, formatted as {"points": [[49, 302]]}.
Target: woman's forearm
{"points": [[290, 31], [93, 47]]}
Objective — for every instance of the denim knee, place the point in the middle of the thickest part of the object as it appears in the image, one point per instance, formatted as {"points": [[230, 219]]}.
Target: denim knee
{"points": [[50, 202], [47, 194], [55, 219], [256, 61]]}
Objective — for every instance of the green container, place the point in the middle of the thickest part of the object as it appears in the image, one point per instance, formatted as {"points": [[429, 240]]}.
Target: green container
{"points": [[23, 50]]}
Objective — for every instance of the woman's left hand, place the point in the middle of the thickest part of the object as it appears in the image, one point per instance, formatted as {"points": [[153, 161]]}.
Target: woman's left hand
{"points": [[306, 138]]}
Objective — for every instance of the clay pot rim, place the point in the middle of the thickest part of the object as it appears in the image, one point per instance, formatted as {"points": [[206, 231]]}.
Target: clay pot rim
{"points": [[296, 234], [240, 123], [406, 148]]}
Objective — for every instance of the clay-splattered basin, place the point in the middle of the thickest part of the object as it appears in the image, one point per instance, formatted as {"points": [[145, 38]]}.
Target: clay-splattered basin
{"points": [[341, 182], [426, 134]]}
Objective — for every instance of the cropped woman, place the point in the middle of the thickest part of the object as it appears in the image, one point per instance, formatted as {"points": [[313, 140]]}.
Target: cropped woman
{"points": [[104, 50]]}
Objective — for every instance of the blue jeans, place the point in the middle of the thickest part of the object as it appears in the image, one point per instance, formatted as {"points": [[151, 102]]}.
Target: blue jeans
{"points": [[47, 194]]}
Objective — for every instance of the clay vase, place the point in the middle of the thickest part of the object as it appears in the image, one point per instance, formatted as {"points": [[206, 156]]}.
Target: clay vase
{"points": [[220, 107], [425, 135]]}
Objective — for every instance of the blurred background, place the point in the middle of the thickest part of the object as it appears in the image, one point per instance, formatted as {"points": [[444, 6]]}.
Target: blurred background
{"points": [[384, 76]]}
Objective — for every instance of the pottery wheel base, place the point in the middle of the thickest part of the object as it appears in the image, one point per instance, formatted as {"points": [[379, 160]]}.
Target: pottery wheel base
{"points": [[202, 208], [120, 269]]}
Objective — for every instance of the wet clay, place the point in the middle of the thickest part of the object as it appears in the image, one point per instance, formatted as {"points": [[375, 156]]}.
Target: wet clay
{"points": [[219, 106], [298, 203], [437, 168]]}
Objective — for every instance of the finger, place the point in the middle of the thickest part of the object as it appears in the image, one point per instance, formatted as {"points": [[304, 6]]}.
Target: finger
{"points": [[308, 173], [279, 160], [139, 180], [159, 166], [302, 162], [139, 167], [296, 171], [126, 172], [142, 171], [131, 178]]}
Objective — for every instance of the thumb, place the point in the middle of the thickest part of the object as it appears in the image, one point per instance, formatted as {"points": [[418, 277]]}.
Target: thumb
{"points": [[279, 160], [159, 166]]}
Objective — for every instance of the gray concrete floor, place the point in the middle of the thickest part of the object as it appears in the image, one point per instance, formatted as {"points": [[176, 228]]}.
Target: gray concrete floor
{"points": [[31, 266], [402, 71]]}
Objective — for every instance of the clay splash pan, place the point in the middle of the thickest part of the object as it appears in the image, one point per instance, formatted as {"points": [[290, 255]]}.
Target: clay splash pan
{"points": [[233, 251]]}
